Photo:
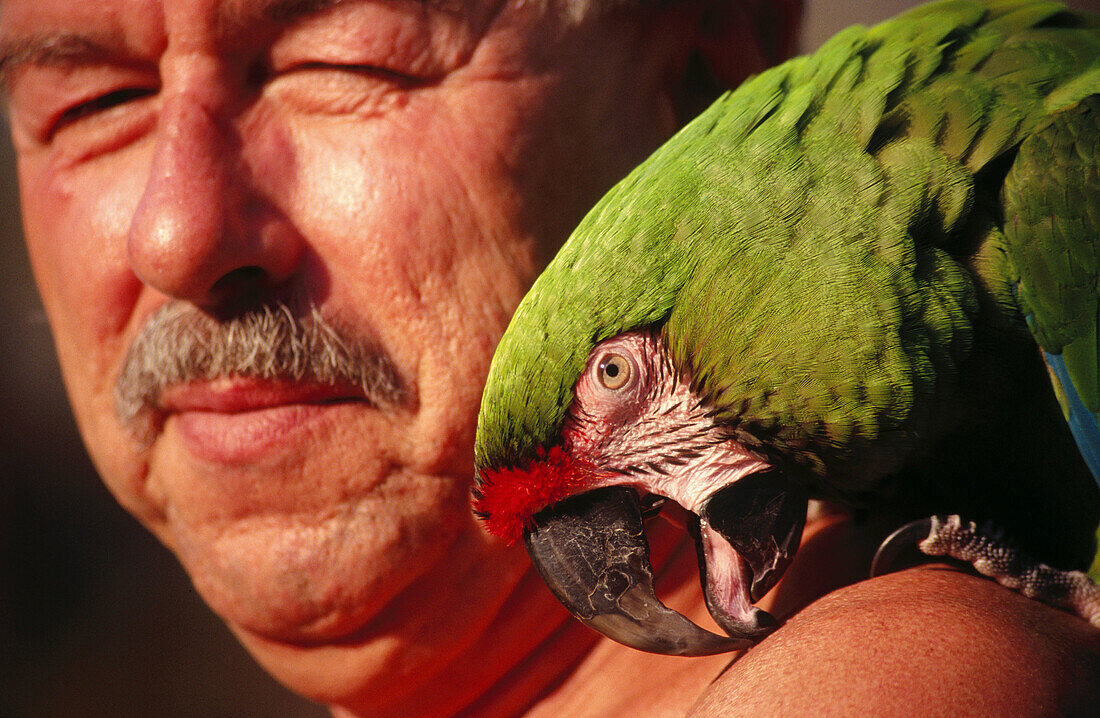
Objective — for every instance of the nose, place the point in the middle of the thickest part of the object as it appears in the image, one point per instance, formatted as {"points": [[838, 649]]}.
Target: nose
{"points": [[202, 232]]}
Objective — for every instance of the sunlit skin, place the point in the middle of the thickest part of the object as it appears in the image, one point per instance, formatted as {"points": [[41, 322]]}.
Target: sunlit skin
{"points": [[404, 168]]}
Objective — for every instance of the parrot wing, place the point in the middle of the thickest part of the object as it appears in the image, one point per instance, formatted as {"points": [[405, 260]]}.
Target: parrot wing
{"points": [[1052, 238]]}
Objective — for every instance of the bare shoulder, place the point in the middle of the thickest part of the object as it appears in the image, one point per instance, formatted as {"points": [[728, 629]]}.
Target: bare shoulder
{"points": [[925, 641]]}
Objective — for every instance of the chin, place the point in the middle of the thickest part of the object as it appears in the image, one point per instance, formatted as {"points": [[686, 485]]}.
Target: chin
{"points": [[311, 578]]}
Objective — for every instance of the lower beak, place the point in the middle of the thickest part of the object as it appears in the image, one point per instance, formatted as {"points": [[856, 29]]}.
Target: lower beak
{"points": [[747, 534], [592, 552]]}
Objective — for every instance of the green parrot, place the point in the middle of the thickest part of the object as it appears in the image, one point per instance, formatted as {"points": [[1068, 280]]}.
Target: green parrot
{"points": [[867, 276]]}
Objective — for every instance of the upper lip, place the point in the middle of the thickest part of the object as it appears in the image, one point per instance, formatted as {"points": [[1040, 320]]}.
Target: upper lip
{"points": [[234, 395]]}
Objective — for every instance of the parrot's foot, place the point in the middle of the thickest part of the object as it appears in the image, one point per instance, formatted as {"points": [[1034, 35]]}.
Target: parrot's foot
{"points": [[992, 555]]}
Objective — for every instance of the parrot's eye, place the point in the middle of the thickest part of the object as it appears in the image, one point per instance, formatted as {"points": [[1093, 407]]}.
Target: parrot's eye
{"points": [[613, 371]]}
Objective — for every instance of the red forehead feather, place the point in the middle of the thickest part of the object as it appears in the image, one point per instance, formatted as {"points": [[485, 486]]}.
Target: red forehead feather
{"points": [[508, 498]]}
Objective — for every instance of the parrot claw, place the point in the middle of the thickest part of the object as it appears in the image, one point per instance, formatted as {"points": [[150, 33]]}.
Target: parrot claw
{"points": [[592, 552], [991, 555], [908, 536]]}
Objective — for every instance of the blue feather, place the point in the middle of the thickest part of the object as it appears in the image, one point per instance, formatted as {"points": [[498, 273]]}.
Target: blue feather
{"points": [[1083, 424]]}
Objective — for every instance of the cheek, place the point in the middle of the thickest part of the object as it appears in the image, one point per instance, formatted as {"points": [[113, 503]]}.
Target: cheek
{"points": [[76, 224], [418, 226]]}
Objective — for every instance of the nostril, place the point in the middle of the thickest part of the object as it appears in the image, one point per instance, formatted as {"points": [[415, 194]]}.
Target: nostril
{"points": [[238, 290]]}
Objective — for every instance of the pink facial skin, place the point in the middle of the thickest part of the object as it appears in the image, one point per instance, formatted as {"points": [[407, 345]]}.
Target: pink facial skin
{"points": [[401, 168]]}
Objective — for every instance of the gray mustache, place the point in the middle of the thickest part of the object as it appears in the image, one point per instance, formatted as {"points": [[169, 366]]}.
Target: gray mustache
{"points": [[180, 343]]}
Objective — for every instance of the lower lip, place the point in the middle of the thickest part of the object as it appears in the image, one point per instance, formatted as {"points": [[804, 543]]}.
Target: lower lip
{"points": [[249, 436]]}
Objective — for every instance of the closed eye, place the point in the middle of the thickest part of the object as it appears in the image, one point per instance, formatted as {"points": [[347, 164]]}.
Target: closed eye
{"points": [[100, 103], [398, 78]]}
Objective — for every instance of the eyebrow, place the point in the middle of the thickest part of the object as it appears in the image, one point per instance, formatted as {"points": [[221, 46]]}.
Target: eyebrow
{"points": [[68, 49], [283, 12], [53, 49]]}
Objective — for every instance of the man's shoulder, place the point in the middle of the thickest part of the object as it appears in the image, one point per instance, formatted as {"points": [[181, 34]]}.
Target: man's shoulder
{"points": [[926, 641]]}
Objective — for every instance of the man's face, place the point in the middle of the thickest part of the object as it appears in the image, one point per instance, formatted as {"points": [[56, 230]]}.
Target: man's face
{"points": [[400, 169]]}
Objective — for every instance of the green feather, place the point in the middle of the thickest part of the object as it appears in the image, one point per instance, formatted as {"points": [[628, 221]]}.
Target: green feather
{"points": [[1052, 238], [855, 120], [823, 248]]}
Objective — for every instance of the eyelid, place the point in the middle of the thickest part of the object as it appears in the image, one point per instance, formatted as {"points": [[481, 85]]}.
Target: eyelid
{"points": [[374, 38], [384, 68], [45, 98], [102, 102], [356, 68], [102, 109]]}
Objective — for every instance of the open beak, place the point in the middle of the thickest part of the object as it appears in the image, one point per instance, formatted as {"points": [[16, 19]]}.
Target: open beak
{"points": [[746, 536], [592, 552]]}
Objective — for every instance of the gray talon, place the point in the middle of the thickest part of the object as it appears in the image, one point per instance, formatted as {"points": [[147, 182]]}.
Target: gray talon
{"points": [[908, 536], [990, 553]]}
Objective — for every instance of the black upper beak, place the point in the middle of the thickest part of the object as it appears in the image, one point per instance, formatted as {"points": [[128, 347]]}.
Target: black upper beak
{"points": [[592, 552]]}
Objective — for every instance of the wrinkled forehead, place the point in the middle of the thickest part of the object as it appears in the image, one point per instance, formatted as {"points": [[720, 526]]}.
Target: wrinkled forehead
{"points": [[46, 31], [228, 11], [23, 15], [38, 30]]}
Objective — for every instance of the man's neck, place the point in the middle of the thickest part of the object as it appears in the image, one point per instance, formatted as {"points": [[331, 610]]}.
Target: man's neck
{"points": [[612, 680], [536, 660]]}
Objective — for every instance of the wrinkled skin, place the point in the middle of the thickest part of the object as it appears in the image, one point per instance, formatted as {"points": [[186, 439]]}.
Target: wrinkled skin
{"points": [[405, 170]]}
